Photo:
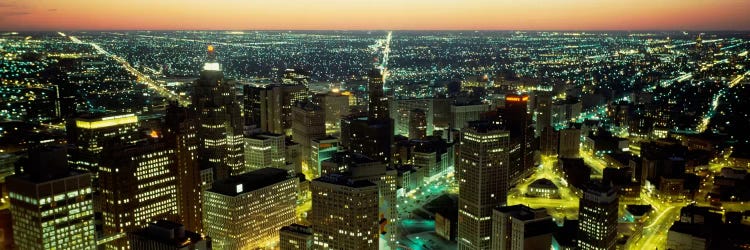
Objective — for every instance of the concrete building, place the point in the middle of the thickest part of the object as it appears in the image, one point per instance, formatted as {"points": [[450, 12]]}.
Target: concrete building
{"points": [[269, 107], [520, 227], [295, 236], [570, 143], [51, 206], [265, 150], [344, 213], [463, 113], [247, 211], [308, 123], [482, 174], [597, 217]]}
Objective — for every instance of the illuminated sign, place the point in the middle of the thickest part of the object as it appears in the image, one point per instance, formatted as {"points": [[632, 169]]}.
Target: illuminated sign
{"points": [[516, 98]]}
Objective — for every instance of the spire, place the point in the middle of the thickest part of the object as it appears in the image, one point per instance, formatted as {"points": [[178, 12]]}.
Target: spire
{"points": [[211, 62]]}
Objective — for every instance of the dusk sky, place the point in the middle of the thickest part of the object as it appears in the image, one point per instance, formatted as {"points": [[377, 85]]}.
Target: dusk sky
{"points": [[375, 15]]}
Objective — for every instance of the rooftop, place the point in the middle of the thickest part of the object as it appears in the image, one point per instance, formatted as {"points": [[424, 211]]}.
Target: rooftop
{"points": [[250, 181]]}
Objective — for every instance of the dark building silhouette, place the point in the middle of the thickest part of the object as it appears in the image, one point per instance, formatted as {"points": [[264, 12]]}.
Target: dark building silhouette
{"points": [[167, 235]]}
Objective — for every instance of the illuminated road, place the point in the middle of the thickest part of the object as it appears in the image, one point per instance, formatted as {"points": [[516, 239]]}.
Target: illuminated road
{"points": [[566, 206], [141, 78], [655, 233]]}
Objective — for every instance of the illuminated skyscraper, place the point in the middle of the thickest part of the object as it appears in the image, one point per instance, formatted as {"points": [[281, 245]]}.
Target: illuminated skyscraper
{"points": [[51, 206], [378, 106], [180, 134], [220, 130], [139, 185], [482, 173], [246, 211], [344, 213], [597, 217], [321, 149], [265, 150], [543, 111]]}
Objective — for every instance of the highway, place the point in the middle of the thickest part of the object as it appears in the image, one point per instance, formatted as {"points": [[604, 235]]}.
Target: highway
{"points": [[141, 77]]}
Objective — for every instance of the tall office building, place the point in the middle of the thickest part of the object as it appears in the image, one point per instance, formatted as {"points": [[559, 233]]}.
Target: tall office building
{"points": [[482, 174], [295, 236], [269, 107], [417, 124], [308, 123], [570, 143], [520, 227], [344, 213], [335, 105], [464, 112], [180, 133], [543, 111], [401, 113], [597, 217], [88, 133], [220, 130], [167, 235], [516, 119], [139, 185], [51, 206], [265, 150], [371, 135], [246, 211]]}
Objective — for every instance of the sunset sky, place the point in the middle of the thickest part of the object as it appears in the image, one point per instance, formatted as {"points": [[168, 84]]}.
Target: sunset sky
{"points": [[375, 15]]}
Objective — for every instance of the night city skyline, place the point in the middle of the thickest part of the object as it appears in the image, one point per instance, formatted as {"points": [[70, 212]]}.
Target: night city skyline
{"points": [[374, 125]]}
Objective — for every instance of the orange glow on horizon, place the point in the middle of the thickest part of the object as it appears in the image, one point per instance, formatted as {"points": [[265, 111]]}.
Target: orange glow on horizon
{"points": [[375, 15]]}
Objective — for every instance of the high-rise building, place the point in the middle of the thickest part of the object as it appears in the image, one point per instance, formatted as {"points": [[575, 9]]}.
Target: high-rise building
{"points": [[463, 113], [180, 133], [378, 102], [295, 236], [335, 105], [221, 126], [371, 135], [246, 211], [417, 124], [401, 113], [570, 143], [269, 107], [597, 217], [88, 133], [344, 213], [167, 235], [139, 185], [517, 120], [51, 206], [265, 150], [308, 124], [543, 111], [482, 174], [520, 227]]}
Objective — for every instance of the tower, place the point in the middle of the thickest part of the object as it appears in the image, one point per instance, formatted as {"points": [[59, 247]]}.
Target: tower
{"points": [[51, 207], [180, 130], [597, 217], [220, 130], [482, 173]]}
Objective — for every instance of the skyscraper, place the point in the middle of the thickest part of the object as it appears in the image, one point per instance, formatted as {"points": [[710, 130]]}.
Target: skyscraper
{"points": [[371, 135], [139, 185], [482, 174], [180, 134], [516, 119], [269, 107], [247, 210], [308, 123], [543, 111], [597, 217], [520, 227], [220, 130], [570, 143], [51, 206], [344, 213], [417, 124]]}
